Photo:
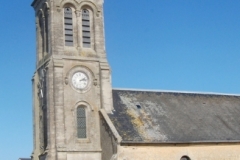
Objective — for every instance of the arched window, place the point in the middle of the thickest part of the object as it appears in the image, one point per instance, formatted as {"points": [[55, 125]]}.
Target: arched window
{"points": [[68, 26], [86, 37], [81, 122], [185, 158]]}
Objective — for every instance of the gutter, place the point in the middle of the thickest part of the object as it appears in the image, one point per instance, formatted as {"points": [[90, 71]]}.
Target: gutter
{"points": [[131, 143]]}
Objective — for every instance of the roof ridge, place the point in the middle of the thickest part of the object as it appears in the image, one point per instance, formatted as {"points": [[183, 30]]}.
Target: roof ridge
{"points": [[175, 91]]}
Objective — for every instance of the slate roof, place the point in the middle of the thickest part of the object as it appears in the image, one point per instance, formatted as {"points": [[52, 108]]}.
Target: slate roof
{"points": [[168, 117]]}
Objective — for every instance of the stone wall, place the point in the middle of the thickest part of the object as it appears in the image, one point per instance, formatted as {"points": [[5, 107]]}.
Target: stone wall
{"points": [[170, 152]]}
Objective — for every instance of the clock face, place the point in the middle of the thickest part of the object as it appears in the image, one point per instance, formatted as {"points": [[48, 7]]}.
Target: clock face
{"points": [[79, 80]]}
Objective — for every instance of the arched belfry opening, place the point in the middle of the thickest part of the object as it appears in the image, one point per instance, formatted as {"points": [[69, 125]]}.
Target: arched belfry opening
{"points": [[68, 26], [86, 29]]}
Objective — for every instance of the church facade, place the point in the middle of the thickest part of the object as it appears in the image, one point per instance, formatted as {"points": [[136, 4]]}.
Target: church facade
{"points": [[77, 114]]}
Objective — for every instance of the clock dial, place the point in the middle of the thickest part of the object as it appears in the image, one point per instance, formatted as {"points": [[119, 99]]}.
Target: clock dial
{"points": [[79, 80]]}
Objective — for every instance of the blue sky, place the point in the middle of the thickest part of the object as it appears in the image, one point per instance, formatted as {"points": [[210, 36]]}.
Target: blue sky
{"points": [[181, 45]]}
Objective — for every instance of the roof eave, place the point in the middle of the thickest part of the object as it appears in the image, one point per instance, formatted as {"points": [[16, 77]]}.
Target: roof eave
{"points": [[180, 142], [110, 125]]}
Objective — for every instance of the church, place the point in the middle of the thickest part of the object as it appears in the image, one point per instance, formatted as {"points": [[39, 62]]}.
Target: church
{"points": [[77, 115]]}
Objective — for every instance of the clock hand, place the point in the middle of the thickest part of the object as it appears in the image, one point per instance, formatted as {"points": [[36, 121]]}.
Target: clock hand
{"points": [[83, 79]]}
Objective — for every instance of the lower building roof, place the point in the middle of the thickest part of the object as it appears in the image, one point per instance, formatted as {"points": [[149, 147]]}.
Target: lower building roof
{"points": [[166, 117]]}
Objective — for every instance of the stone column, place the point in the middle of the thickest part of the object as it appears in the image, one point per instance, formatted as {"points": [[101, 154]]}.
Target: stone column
{"points": [[79, 29], [59, 103]]}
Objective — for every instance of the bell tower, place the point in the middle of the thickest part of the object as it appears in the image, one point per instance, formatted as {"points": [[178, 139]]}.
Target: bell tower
{"points": [[72, 81]]}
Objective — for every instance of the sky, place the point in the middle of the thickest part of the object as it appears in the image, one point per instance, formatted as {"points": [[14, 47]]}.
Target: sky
{"points": [[178, 45]]}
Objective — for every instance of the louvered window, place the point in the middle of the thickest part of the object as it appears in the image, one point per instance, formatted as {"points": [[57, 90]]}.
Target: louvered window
{"points": [[81, 122], [86, 37], [68, 26]]}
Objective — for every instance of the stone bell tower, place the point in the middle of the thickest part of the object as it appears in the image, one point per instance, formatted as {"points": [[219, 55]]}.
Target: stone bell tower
{"points": [[72, 81]]}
